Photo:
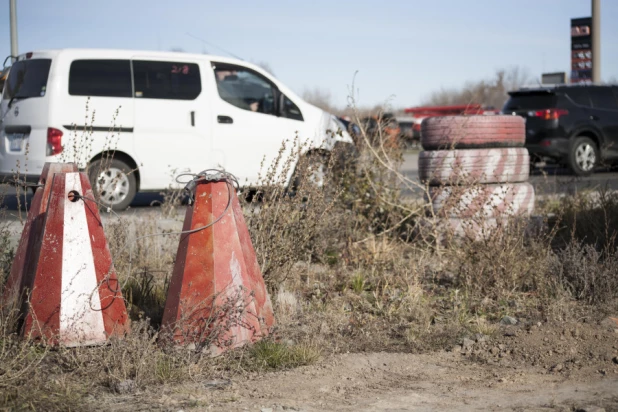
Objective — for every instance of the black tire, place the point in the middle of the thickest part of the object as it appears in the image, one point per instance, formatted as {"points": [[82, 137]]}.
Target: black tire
{"points": [[121, 184], [583, 156]]}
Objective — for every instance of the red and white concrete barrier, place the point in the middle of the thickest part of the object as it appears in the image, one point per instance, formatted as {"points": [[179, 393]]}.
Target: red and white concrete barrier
{"points": [[31, 232], [74, 294]]}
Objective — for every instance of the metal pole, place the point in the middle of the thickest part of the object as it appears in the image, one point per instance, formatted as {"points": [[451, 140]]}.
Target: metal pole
{"points": [[596, 41], [13, 12]]}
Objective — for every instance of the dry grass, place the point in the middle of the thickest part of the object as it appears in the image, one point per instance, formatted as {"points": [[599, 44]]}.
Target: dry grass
{"points": [[345, 273]]}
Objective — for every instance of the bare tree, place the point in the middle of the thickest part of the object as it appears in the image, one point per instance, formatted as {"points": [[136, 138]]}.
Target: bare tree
{"points": [[177, 49], [320, 98], [489, 93], [612, 80], [266, 66]]}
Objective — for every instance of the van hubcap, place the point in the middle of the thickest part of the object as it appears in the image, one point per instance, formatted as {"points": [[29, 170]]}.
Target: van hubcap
{"points": [[113, 186], [317, 174], [585, 157]]}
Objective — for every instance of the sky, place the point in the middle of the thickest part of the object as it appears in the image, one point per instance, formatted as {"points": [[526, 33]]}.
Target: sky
{"points": [[393, 52]]}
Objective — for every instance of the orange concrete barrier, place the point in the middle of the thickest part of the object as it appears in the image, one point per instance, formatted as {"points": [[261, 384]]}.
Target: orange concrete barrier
{"points": [[217, 298]]}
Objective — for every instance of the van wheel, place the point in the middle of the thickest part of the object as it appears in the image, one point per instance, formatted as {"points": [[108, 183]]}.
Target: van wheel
{"points": [[311, 169], [113, 183], [583, 156]]}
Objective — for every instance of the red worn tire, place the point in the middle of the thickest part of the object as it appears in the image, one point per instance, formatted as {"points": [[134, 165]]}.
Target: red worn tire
{"points": [[470, 166], [469, 132], [483, 201]]}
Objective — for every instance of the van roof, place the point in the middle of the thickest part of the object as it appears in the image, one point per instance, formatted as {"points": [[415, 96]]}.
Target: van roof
{"points": [[146, 54], [129, 53]]}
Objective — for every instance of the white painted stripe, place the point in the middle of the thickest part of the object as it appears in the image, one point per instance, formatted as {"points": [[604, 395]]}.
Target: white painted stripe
{"points": [[247, 303], [81, 319]]}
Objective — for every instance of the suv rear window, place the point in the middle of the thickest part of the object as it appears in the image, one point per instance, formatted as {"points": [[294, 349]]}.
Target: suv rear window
{"points": [[529, 101], [27, 78]]}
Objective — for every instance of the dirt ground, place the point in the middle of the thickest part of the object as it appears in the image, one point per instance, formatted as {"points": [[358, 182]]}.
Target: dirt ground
{"points": [[562, 366]]}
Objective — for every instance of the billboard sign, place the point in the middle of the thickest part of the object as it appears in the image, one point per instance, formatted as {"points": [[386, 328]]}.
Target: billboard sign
{"points": [[554, 78], [581, 50]]}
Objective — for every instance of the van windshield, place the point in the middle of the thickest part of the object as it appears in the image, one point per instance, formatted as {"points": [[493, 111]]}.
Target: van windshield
{"points": [[27, 78]]}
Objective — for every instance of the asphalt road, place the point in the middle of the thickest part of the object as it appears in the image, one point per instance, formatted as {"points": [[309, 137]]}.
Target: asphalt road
{"points": [[547, 181]]}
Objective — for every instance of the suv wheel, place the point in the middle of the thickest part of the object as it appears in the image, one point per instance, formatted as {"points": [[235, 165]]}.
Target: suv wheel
{"points": [[584, 156]]}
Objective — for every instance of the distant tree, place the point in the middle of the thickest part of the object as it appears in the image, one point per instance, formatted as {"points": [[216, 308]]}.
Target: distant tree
{"points": [[320, 98], [266, 66], [489, 93], [177, 49]]}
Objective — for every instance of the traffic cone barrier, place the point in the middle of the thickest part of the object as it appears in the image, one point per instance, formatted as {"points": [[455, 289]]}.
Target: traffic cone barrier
{"points": [[32, 228], [75, 297], [217, 298]]}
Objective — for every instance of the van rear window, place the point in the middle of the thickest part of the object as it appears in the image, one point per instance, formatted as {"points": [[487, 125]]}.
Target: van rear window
{"points": [[104, 78], [27, 78]]}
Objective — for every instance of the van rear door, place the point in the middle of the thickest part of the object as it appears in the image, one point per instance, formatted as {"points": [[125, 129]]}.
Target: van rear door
{"points": [[24, 111]]}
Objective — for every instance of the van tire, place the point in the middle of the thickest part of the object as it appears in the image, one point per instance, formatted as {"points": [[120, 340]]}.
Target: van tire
{"points": [[116, 194], [311, 168]]}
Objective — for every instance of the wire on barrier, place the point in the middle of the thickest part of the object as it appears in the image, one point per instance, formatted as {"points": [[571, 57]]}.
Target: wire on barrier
{"points": [[208, 175]]}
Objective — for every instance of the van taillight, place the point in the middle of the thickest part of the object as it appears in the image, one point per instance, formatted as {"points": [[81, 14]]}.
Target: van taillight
{"points": [[549, 114], [54, 141]]}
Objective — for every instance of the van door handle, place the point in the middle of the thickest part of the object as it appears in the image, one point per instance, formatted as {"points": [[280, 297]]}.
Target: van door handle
{"points": [[225, 119], [593, 117], [192, 118]]}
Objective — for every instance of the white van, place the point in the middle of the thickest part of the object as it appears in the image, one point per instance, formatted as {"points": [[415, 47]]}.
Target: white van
{"points": [[159, 113]]}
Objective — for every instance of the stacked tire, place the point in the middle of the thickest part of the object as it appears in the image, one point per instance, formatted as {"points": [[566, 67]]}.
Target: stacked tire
{"points": [[476, 170]]}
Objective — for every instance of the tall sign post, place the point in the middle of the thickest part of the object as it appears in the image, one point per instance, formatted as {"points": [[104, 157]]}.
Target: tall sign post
{"points": [[596, 41], [13, 24]]}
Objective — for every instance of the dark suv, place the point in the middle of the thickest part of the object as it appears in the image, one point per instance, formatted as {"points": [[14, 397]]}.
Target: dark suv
{"points": [[574, 125]]}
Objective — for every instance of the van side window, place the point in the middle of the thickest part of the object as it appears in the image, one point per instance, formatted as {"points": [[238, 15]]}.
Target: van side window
{"points": [[106, 78], [166, 80], [603, 98], [244, 88], [290, 110]]}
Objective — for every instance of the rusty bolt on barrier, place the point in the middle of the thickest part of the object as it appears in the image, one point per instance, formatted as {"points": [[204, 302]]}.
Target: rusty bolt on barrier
{"points": [[74, 196]]}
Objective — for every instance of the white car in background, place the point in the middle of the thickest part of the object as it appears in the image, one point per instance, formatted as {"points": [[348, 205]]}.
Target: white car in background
{"points": [[157, 113]]}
